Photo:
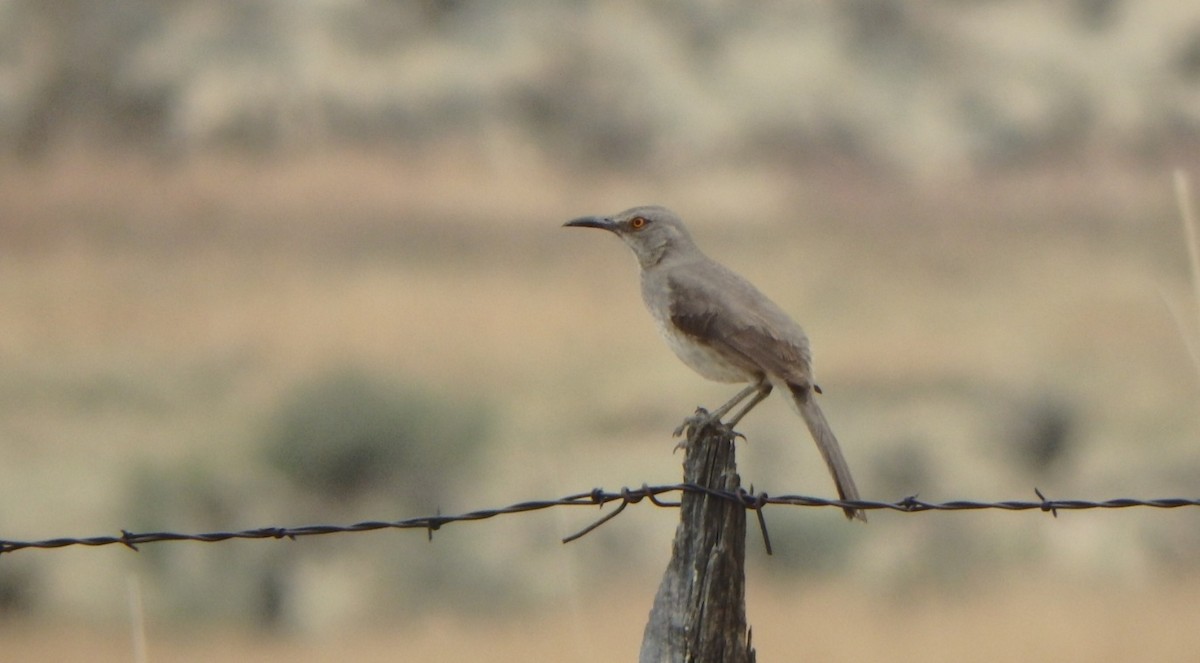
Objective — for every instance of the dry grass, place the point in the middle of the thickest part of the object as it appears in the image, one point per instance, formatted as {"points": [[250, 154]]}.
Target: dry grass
{"points": [[1019, 620]]}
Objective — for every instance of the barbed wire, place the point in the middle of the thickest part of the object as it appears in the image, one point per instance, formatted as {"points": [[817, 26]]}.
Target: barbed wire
{"points": [[599, 497]]}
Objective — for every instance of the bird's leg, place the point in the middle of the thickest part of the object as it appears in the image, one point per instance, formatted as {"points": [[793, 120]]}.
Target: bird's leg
{"points": [[702, 418], [764, 390], [742, 395]]}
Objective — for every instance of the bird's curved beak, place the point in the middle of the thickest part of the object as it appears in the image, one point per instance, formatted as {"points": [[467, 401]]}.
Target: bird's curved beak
{"points": [[604, 223]]}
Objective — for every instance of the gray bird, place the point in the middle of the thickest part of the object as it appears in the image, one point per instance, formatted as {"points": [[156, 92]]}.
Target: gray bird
{"points": [[723, 327]]}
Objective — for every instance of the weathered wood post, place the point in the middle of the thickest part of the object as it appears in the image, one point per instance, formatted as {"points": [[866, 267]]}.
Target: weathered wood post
{"points": [[699, 613]]}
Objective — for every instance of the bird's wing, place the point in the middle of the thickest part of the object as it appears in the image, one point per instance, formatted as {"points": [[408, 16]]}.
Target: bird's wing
{"points": [[732, 316]]}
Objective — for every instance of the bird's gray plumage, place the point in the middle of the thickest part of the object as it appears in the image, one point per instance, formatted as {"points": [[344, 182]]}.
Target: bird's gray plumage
{"points": [[721, 326]]}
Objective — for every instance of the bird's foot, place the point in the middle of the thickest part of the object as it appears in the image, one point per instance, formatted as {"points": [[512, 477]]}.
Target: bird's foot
{"points": [[698, 420], [697, 423]]}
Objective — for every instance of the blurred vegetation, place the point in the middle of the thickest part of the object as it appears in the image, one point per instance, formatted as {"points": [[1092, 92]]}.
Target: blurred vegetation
{"points": [[350, 433], [347, 444], [190, 582], [908, 87]]}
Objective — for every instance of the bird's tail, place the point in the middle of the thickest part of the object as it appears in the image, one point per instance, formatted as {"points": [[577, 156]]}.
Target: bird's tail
{"points": [[827, 443]]}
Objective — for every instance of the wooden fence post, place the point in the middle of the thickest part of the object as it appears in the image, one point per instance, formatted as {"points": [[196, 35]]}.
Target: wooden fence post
{"points": [[699, 613]]}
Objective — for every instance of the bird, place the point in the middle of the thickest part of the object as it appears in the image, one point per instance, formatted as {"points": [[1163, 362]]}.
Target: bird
{"points": [[724, 328]]}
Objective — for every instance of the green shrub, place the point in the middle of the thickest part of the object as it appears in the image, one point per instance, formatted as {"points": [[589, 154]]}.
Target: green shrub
{"points": [[348, 434]]}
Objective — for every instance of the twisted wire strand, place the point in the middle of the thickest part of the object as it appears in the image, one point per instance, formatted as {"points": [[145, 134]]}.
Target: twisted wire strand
{"points": [[599, 497]]}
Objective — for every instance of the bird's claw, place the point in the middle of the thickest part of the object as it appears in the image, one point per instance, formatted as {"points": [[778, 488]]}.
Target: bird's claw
{"points": [[697, 423]]}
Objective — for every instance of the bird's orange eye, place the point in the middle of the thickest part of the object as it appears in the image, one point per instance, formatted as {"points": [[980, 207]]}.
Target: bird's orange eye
{"points": [[637, 223]]}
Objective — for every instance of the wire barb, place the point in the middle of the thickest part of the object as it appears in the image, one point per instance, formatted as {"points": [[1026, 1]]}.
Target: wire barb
{"points": [[1045, 506], [756, 502], [607, 517]]}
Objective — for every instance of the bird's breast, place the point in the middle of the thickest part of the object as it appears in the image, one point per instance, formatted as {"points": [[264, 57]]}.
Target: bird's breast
{"points": [[657, 293], [700, 357]]}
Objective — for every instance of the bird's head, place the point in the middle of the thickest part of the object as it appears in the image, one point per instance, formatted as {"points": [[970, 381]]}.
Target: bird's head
{"points": [[652, 232]]}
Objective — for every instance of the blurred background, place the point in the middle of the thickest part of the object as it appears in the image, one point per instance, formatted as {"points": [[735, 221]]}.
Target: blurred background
{"points": [[286, 263]]}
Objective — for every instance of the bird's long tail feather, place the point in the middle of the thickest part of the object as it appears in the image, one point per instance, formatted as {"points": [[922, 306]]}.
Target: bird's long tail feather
{"points": [[827, 443]]}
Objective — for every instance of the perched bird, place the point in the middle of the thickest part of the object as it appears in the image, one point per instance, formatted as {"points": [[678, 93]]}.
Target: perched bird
{"points": [[723, 327]]}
